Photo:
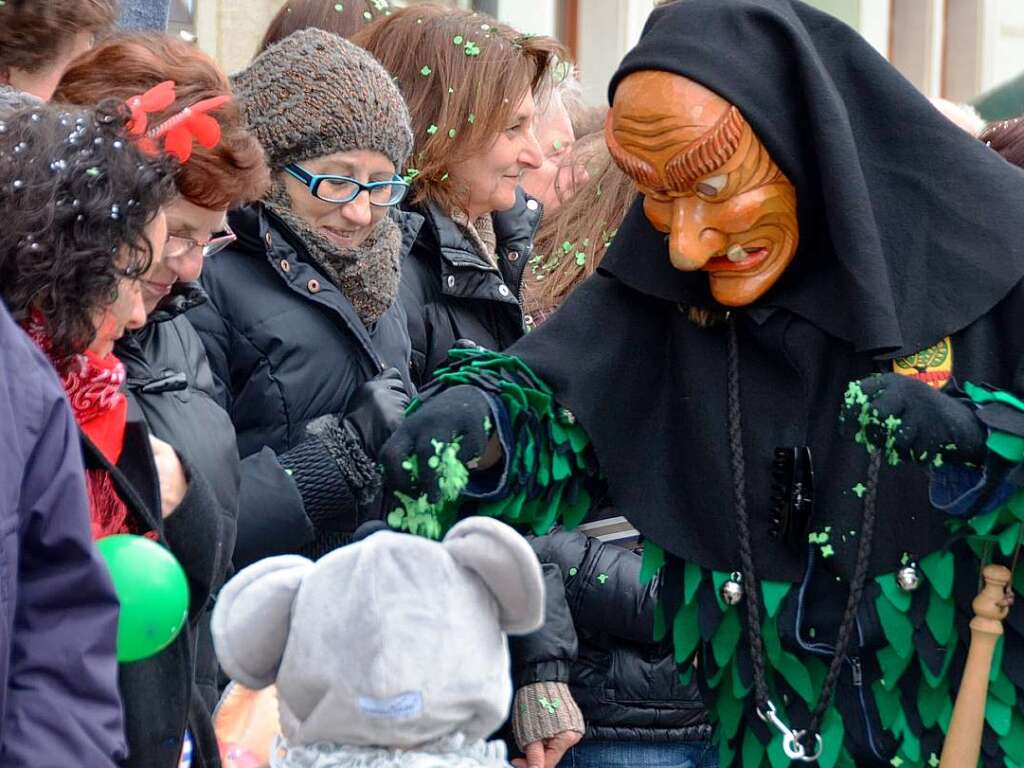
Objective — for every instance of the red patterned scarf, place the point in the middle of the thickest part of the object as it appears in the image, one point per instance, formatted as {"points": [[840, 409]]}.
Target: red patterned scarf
{"points": [[93, 387]]}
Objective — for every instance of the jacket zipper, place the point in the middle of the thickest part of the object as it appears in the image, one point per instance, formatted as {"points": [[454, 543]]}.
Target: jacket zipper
{"points": [[824, 649]]}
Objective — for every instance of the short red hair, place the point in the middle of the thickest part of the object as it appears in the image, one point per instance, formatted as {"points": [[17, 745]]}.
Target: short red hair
{"points": [[231, 173]]}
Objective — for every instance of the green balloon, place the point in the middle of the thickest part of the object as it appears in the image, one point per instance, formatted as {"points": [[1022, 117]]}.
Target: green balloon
{"points": [[151, 585]]}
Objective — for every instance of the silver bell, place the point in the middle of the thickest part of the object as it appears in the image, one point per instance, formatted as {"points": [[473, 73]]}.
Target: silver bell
{"points": [[732, 590], [909, 577]]}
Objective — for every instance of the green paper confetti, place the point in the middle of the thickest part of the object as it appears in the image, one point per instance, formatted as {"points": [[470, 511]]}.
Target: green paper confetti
{"points": [[472, 49], [581, 258], [426, 71], [827, 551], [471, 119], [458, 40], [367, 15], [431, 130], [410, 175], [860, 489], [573, 571], [557, 145], [445, 177], [552, 706], [602, 578], [339, 7], [451, 133], [94, 171]]}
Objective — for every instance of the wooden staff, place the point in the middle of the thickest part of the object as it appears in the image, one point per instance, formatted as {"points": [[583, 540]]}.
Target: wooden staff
{"points": [[963, 740]]}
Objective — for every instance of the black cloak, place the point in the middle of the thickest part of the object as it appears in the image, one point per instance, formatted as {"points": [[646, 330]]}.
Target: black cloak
{"points": [[907, 237]]}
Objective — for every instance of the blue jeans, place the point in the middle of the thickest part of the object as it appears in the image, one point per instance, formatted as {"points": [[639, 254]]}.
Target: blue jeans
{"points": [[639, 754]]}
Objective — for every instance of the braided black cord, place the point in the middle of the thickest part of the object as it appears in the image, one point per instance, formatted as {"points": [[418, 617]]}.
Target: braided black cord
{"points": [[747, 561], [739, 494], [860, 575]]}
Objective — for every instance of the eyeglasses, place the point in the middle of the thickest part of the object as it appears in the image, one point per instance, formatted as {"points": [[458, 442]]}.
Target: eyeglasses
{"points": [[343, 189], [178, 247]]}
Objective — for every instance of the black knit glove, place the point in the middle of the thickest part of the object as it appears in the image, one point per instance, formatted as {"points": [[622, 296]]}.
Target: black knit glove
{"points": [[913, 421], [334, 476], [461, 414], [376, 409]]}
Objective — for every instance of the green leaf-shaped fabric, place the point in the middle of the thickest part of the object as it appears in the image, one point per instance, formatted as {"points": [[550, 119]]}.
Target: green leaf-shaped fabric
{"points": [[774, 592], [685, 632], [938, 567], [899, 630], [723, 644], [652, 562], [753, 750], [939, 617], [795, 673], [998, 715]]}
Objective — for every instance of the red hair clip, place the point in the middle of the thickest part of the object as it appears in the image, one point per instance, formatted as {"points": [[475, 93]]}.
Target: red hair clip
{"points": [[179, 131]]}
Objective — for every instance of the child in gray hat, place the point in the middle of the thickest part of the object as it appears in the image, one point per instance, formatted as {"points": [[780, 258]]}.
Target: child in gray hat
{"points": [[388, 653]]}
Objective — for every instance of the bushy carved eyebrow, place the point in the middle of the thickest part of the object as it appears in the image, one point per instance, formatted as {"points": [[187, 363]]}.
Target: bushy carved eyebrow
{"points": [[637, 169], [708, 153]]}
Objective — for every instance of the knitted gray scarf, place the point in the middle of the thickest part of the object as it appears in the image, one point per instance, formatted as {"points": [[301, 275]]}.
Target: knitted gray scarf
{"points": [[367, 275]]}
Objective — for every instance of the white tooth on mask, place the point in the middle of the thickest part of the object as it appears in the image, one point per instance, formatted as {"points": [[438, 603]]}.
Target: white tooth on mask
{"points": [[736, 253]]}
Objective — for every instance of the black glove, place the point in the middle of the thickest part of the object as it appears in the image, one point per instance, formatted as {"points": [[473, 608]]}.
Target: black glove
{"points": [[461, 414], [913, 421], [376, 409]]}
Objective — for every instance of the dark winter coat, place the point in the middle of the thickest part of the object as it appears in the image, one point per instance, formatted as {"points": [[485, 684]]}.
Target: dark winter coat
{"points": [[451, 292], [159, 696], [59, 702], [626, 685], [170, 379], [285, 347]]}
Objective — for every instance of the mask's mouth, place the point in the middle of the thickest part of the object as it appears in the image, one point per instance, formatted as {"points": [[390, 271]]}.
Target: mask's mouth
{"points": [[737, 259]]}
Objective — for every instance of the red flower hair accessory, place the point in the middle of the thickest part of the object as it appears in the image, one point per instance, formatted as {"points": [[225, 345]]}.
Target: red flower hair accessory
{"points": [[179, 131]]}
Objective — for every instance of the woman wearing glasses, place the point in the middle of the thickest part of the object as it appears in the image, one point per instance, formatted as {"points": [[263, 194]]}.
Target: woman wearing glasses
{"points": [[308, 345]]}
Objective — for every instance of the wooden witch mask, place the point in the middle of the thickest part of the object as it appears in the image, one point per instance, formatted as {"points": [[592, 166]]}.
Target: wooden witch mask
{"points": [[708, 182]]}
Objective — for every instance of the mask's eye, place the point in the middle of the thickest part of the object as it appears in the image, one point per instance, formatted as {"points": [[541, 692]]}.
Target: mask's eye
{"points": [[711, 186]]}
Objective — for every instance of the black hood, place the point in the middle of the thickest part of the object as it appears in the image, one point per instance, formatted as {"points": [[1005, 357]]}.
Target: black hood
{"points": [[907, 223]]}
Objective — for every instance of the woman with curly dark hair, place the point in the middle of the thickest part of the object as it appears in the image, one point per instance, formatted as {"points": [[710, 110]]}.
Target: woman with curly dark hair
{"points": [[83, 213]]}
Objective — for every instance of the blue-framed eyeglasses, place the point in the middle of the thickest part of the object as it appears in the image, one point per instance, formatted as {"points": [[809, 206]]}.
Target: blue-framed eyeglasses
{"points": [[343, 189]]}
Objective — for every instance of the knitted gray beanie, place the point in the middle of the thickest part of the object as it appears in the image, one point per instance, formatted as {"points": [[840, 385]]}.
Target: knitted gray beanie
{"points": [[314, 94]]}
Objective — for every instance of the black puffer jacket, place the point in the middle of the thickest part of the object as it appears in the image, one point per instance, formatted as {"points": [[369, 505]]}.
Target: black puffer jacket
{"points": [[159, 696], [286, 347], [451, 292], [169, 378], [626, 685]]}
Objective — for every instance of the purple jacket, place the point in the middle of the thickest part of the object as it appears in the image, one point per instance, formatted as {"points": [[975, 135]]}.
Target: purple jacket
{"points": [[59, 705]]}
